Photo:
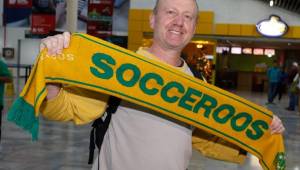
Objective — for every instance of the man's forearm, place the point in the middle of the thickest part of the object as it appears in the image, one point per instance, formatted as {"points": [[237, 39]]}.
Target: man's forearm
{"points": [[53, 90]]}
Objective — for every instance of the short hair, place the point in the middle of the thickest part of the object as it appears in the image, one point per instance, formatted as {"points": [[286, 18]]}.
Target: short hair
{"points": [[295, 64], [156, 6]]}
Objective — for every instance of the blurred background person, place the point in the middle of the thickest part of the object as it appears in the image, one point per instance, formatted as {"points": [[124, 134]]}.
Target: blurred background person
{"points": [[292, 77], [273, 75], [5, 77], [282, 83]]}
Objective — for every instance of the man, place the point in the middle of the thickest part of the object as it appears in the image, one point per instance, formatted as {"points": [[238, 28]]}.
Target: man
{"points": [[139, 138], [291, 80], [5, 77], [273, 74]]}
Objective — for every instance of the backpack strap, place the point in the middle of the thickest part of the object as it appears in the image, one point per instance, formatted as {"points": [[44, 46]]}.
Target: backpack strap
{"points": [[100, 126]]}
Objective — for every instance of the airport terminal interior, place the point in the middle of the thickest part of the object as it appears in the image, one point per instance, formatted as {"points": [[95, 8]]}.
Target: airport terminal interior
{"points": [[234, 46]]}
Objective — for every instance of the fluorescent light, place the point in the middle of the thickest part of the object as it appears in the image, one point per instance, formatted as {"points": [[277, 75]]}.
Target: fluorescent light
{"points": [[199, 46], [236, 50], [247, 50], [271, 3], [258, 51], [209, 57], [220, 50]]}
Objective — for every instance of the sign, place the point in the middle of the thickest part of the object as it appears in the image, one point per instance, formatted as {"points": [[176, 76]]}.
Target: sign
{"points": [[42, 23], [27, 13], [16, 13], [100, 13], [272, 27], [18, 3], [42, 17]]}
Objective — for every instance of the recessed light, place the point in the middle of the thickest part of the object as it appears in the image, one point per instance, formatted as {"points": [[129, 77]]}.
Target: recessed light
{"points": [[271, 3]]}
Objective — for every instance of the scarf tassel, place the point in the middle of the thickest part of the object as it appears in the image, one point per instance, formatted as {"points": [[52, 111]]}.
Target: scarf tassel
{"points": [[22, 114]]}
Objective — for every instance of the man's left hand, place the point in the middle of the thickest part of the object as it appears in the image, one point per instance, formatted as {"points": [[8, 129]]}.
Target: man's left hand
{"points": [[276, 125]]}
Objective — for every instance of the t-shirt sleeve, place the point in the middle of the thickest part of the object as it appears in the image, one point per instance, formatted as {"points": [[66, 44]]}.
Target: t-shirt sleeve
{"points": [[75, 104], [4, 70]]}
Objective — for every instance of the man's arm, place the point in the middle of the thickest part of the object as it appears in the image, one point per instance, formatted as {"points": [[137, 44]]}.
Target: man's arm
{"points": [[5, 79], [74, 104], [67, 103], [55, 45], [276, 125]]}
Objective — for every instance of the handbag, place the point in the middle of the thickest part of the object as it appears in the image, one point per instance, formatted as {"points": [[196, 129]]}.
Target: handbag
{"points": [[294, 86]]}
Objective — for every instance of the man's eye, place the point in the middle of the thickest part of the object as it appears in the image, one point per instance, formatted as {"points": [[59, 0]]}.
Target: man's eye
{"points": [[170, 12], [188, 17]]}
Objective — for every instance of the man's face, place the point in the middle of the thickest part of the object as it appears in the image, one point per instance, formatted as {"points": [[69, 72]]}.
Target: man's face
{"points": [[174, 23]]}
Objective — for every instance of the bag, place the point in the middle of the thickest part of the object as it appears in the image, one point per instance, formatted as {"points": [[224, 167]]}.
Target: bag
{"points": [[294, 86], [100, 126]]}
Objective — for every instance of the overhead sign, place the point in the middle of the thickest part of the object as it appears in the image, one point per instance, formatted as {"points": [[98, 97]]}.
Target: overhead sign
{"points": [[100, 15], [272, 27]]}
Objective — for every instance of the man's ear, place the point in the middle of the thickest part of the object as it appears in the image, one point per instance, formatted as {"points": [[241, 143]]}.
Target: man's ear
{"points": [[152, 20]]}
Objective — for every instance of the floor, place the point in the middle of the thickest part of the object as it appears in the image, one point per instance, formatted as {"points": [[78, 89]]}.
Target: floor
{"points": [[63, 146]]}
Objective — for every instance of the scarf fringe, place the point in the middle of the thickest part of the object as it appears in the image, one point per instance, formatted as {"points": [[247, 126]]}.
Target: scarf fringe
{"points": [[280, 161], [22, 114]]}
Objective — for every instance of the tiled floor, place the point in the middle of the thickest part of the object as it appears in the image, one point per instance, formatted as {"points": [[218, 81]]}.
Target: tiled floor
{"points": [[63, 146]]}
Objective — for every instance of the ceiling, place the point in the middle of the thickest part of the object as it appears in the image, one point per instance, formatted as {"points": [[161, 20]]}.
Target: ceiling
{"points": [[263, 42], [290, 5]]}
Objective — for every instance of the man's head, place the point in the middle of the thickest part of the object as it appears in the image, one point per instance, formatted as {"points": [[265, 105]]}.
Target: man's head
{"points": [[174, 23], [157, 2], [295, 64]]}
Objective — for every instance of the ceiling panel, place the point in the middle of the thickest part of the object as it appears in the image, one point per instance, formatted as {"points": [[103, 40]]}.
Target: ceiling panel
{"points": [[290, 5]]}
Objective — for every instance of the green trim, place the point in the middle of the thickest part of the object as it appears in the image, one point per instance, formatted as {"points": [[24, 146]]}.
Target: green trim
{"points": [[180, 75], [63, 80], [280, 161], [38, 96], [22, 114]]}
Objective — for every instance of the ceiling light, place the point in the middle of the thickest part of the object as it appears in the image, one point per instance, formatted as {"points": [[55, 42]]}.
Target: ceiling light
{"points": [[199, 46], [271, 3]]}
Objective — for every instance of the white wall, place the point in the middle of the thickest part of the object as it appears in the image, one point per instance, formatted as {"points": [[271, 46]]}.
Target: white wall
{"points": [[12, 37], [234, 11]]}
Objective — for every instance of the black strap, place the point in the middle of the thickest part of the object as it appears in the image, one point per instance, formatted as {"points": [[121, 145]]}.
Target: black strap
{"points": [[100, 126]]}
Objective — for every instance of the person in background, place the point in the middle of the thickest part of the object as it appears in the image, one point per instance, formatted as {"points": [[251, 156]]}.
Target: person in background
{"points": [[282, 83], [5, 77], [273, 74], [293, 96], [138, 138]]}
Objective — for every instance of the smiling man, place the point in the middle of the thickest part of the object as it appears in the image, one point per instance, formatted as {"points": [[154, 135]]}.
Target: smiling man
{"points": [[138, 138]]}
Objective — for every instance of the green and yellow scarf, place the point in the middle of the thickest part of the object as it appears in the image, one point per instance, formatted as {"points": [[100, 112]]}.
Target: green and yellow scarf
{"points": [[97, 65]]}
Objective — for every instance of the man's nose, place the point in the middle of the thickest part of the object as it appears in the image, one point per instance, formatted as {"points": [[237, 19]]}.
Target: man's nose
{"points": [[179, 20]]}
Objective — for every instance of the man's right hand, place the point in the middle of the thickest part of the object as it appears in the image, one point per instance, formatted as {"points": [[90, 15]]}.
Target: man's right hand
{"points": [[55, 44]]}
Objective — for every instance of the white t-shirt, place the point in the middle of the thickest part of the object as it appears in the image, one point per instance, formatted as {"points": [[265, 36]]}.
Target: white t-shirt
{"points": [[142, 139]]}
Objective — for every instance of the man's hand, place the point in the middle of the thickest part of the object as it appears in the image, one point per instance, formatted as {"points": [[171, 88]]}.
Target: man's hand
{"points": [[55, 44], [276, 126]]}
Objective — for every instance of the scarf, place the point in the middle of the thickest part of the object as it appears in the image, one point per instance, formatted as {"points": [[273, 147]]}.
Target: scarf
{"points": [[100, 66]]}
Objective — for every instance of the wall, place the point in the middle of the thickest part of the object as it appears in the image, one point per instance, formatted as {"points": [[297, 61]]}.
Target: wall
{"points": [[12, 37], [247, 62]]}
